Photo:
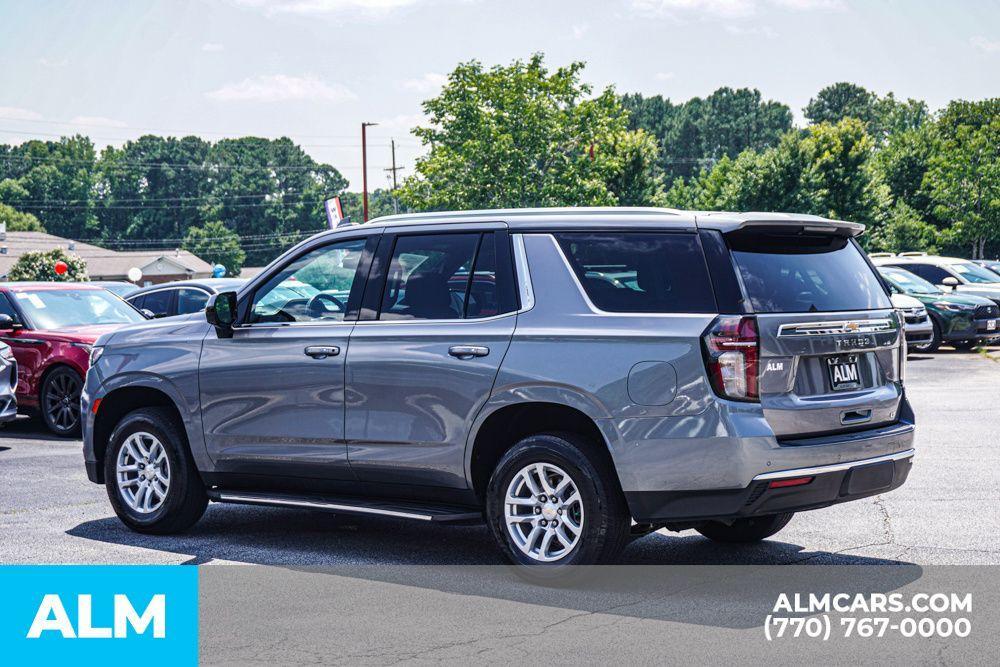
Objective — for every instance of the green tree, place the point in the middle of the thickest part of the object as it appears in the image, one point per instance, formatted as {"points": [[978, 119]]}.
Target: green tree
{"points": [[903, 163], [41, 265], [216, 244], [882, 116], [516, 136], [18, 221], [637, 179], [904, 231], [702, 131], [153, 187], [964, 178], [841, 100], [268, 187], [54, 181]]}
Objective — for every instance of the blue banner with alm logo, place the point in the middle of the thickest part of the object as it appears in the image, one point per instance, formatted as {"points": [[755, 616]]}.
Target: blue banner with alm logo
{"points": [[97, 614]]}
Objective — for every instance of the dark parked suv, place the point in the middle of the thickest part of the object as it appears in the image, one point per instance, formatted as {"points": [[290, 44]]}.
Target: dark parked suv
{"points": [[572, 376]]}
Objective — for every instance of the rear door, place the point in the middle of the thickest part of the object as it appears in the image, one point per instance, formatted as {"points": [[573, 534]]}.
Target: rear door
{"points": [[438, 317], [829, 337]]}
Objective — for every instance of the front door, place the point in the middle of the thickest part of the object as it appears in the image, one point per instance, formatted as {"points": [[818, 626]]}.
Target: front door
{"points": [[423, 362], [272, 396]]}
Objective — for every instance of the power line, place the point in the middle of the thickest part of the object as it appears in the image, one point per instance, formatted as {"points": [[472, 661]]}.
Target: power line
{"points": [[167, 165], [165, 131], [134, 138]]}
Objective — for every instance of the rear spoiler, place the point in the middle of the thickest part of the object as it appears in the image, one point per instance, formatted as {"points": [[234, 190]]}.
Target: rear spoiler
{"points": [[789, 223]]}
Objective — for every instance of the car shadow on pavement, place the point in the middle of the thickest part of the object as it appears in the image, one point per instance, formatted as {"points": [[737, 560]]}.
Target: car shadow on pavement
{"points": [[663, 576], [30, 428]]}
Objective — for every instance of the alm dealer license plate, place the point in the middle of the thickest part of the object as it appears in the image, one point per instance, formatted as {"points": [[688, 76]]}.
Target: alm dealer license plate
{"points": [[844, 372]]}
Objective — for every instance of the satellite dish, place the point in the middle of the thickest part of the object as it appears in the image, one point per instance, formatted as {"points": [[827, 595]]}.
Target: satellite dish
{"points": [[135, 274]]}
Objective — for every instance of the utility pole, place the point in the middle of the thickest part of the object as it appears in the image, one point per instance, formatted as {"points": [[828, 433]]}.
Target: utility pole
{"points": [[393, 169], [364, 167]]}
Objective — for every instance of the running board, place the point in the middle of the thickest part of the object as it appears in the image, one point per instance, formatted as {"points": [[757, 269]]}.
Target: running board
{"points": [[395, 509]]}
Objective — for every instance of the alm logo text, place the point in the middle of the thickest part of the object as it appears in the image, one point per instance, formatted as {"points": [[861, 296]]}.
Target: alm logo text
{"points": [[52, 617]]}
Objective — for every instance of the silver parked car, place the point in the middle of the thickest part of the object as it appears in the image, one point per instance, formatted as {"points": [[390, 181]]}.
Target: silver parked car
{"points": [[179, 297], [572, 376]]}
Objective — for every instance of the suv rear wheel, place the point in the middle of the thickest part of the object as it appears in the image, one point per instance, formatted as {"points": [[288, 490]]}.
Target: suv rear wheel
{"points": [[551, 505], [753, 529], [151, 480]]}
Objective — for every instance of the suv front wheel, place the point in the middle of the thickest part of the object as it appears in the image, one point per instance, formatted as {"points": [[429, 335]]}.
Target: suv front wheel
{"points": [[151, 480], [550, 505]]}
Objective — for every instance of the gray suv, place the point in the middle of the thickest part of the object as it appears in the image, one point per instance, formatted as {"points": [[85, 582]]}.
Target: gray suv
{"points": [[574, 377]]}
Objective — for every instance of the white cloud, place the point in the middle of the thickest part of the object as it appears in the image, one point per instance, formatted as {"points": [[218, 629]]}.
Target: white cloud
{"points": [[985, 44], [17, 113], [53, 64], [663, 76], [402, 124], [760, 31], [96, 121], [321, 7], [212, 47], [729, 9], [428, 83], [580, 30], [282, 88], [725, 8]]}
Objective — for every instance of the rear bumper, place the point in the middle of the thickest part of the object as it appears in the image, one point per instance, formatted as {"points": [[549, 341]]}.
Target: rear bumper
{"points": [[827, 485]]}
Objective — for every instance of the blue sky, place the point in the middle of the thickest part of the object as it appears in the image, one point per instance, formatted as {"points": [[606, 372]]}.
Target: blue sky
{"points": [[314, 69]]}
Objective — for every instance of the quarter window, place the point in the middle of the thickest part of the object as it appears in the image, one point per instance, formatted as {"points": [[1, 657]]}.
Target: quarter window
{"points": [[638, 272], [316, 287], [190, 300]]}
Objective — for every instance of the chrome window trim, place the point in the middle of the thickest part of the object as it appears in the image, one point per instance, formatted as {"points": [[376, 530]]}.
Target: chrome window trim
{"points": [[522, 274], [835, 467]]}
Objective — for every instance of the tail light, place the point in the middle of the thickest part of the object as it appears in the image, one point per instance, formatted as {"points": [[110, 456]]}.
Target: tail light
{"points": [[732, 352]]}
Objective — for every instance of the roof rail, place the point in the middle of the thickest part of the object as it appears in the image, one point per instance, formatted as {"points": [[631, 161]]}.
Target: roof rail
{"points": [[881, 254], [913, 254]]}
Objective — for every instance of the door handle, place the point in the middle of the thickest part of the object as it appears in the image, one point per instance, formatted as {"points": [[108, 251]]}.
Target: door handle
{"points": [[468, 351], [322, 351]]}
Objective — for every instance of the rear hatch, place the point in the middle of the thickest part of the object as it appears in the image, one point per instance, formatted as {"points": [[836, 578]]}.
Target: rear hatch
{"points": [[829, 339]]}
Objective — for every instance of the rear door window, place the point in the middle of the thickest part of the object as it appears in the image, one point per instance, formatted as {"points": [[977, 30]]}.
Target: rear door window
{"points": [[802, 273], [161, 302], [640, 272]]}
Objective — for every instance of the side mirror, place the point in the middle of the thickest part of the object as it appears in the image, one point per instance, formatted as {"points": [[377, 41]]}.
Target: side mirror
{"points": [[951, 282], [148, 313], [6, 322], [220, 311]]}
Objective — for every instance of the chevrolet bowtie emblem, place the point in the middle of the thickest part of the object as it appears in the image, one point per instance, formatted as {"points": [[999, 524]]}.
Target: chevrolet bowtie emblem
{"points": [[853, 326]]}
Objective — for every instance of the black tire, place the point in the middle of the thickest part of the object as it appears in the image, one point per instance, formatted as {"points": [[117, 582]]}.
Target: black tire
{"points": [[934, 343], [606, 520], [59, 401], [185, 498], [741, 531], [964, 345]]}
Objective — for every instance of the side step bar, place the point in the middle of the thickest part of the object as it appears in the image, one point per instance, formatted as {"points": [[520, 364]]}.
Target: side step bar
{"points": [[344, 505]]}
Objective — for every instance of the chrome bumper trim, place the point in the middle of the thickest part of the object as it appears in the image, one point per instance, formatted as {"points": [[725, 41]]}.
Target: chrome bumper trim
{"points": [[835, 467]]}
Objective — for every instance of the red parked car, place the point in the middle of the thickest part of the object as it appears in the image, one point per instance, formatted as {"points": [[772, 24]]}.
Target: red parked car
{"points": [[50, 327]]}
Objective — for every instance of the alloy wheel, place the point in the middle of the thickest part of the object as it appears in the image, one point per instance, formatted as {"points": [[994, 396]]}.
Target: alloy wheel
{"points": [[143, 472], [544, 512], [62, 401]]}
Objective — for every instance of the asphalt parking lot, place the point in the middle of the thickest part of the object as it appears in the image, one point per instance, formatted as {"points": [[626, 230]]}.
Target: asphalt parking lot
{"points": [[945, 514]]}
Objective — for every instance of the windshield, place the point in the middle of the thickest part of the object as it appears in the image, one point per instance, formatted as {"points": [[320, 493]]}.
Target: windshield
{"points": [[60, 309], [909, 282], [802, 273], [975, 273]]}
